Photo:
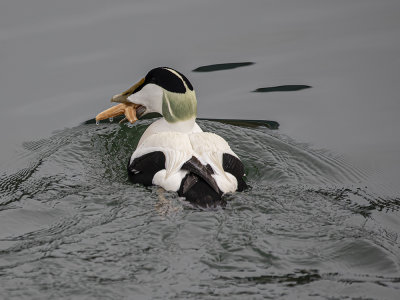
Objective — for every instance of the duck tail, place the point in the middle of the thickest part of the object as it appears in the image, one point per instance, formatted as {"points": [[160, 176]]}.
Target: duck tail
{"points": [[199, 192], [199, 186]]}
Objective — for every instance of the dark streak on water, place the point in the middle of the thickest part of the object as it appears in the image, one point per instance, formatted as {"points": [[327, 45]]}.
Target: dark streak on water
{"points": [[221, 67], [247, 123], [282, 88], [73, 226], [273, 125]]}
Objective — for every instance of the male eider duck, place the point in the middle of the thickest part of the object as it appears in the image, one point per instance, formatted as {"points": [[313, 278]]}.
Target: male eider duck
{"points": [[174, 153]]}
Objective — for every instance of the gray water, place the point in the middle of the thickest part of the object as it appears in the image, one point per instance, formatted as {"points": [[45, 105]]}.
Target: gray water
{"points": [[321, 219]]}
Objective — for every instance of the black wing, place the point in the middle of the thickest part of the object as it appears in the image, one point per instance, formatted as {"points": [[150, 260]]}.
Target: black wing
{"points": [[143, 168], [233, 165], [194, 166]]}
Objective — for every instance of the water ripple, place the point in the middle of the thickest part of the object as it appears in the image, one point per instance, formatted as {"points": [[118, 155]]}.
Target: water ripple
{"points": [[73, 225]]}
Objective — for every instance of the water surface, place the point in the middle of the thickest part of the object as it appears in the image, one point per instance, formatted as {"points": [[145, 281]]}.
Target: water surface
{"points": [[74, 226], [321, 219]]}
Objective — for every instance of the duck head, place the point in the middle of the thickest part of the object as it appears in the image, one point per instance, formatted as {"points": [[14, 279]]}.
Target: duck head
{"points": [[163, 90]]}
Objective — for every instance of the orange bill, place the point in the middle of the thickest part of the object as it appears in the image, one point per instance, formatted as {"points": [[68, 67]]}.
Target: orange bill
{"points": [[128, 109]]}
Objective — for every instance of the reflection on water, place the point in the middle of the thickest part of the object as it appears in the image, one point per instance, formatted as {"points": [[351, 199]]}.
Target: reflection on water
{"points": [[80, 229], [220, 67]]}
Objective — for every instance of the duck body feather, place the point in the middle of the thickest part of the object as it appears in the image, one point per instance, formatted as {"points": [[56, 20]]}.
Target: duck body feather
{"points": [[174, 153], [198, 165]]}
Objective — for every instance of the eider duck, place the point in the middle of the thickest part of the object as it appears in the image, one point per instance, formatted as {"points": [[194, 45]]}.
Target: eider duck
{"points": [[174, 152]]}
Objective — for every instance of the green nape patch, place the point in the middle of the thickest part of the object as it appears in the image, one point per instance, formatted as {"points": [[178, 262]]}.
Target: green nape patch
{"points": [[221, 67], [179, 107]]}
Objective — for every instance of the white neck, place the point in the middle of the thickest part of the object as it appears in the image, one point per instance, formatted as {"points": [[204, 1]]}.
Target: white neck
{"points": [[162, 125]]}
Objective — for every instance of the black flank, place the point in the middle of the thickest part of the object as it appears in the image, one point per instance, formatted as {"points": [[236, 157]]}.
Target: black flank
{"points": [[234, 166], [143, 168]]}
